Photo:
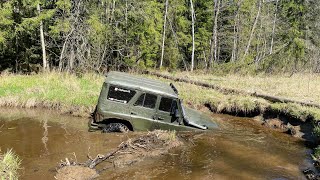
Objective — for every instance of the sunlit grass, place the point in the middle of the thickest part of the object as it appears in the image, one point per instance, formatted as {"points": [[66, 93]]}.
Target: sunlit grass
{"points": [[301, 87], [53, 89], [9, 166]]}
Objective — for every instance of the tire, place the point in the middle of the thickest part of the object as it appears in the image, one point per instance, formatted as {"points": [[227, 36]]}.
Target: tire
{"points": [[115, 127]]}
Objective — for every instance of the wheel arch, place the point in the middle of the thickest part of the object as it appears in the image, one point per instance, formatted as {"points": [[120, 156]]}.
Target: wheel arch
{"points": [[115, 120]]}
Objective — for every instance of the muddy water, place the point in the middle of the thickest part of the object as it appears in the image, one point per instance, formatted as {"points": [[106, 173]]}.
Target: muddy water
{"points": [[242, 149]]}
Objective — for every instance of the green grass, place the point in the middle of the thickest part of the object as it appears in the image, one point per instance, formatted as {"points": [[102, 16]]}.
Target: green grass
{"points": [[297, 111], [59, 90], [9, 166]]}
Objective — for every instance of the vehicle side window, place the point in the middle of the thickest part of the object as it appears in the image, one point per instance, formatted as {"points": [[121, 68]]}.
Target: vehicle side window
{"points": [[150, 101], [139, 102], [146, 100], [165, 104], [120, 94]]}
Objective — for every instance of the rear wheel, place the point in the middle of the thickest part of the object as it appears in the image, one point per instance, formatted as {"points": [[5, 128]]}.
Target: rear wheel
{"points": [[115, 127]]}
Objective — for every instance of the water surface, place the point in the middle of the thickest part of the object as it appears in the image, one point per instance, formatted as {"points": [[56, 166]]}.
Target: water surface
{"points": [[241, 149]]}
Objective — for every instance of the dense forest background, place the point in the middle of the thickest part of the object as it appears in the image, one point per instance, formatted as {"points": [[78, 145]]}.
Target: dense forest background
{"points": [[247, 36]]}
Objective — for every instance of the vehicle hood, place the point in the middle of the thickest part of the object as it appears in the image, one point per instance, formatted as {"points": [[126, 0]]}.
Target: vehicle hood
{"points": [[199, 118]]}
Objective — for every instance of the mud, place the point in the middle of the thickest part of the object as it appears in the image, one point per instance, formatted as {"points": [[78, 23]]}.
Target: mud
{"points": [[295, 127], [242, 149], [132, 151], [153, 144], [76, 173]]}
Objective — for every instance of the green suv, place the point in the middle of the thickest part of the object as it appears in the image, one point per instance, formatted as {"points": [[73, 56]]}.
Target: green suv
{"points": [[129, 102]]}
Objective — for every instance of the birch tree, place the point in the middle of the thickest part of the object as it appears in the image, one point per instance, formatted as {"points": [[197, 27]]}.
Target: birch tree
{"points": [[193, 43], [214, 40], [273, 27], [253, 30], [43, 46], [164, 32]]}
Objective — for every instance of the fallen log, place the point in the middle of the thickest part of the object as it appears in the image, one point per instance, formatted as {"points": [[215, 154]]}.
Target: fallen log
{"points": [[270, 98]]}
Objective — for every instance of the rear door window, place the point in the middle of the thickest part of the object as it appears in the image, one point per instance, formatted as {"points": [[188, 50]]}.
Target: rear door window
{"points": [[147, 100], [120, 94]]}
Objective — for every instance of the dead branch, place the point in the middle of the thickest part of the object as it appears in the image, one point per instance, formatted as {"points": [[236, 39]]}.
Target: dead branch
{"points": [[102, 158]]}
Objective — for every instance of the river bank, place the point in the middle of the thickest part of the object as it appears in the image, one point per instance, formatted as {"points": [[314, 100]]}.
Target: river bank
{"points": [[77, 95]]}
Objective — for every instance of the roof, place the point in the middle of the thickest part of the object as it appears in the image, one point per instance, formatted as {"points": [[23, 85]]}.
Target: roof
{"points": [[137, 82]]}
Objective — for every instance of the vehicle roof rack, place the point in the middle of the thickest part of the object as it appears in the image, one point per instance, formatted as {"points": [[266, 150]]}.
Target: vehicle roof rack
{"points": [[174, 88]]}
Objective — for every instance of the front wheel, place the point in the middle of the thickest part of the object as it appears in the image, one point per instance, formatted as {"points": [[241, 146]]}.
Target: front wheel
{"points": [[115, 127]]}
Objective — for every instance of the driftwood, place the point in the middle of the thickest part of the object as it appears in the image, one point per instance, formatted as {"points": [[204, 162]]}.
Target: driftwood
{"points": [[100, 158], [155, 141], [235, 91]]}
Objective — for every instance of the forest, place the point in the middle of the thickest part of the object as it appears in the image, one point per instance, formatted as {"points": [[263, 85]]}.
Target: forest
{"points": [[228, 36]]}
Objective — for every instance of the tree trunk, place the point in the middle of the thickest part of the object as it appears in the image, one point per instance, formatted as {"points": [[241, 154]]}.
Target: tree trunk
{"points": [[274, 27], [214, 40], [43, 46], [176, 43], [215, 32], [234, 55], [252, 30], [193, 45], [63, 50], [164, 33]]}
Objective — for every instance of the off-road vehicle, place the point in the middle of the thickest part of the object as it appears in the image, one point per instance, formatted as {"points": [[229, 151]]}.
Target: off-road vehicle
{"points": [[129, 102]]}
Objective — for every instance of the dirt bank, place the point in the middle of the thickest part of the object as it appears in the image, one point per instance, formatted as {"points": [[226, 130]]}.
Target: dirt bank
{"points": [[132, 151]]}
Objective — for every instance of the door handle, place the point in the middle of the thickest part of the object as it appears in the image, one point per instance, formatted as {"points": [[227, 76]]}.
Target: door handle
{"points": [[133, 113], [160, 118]]}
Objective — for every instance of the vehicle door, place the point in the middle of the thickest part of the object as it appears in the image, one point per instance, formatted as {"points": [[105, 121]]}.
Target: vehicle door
{"points": [[143, 110], [166, 113]]}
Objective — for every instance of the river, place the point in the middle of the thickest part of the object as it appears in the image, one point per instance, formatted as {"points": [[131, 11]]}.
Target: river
{"points": [[241, 149]]}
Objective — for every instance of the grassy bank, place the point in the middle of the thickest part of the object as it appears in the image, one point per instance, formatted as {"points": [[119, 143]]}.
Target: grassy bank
{"points": [[60, 91], [9, 166], [245, 104], [301, 87], [78, 95]]}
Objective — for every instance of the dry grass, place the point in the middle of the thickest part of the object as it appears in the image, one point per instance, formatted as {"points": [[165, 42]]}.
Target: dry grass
{"points": [[302, 87], [230, 103], [9, 166]]}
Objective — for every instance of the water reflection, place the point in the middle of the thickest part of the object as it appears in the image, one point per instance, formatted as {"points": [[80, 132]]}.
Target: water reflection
{"points": [[45, 138]]}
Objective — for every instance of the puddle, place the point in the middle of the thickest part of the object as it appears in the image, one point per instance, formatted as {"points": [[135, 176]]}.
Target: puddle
{"points": [[242, 149]]}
